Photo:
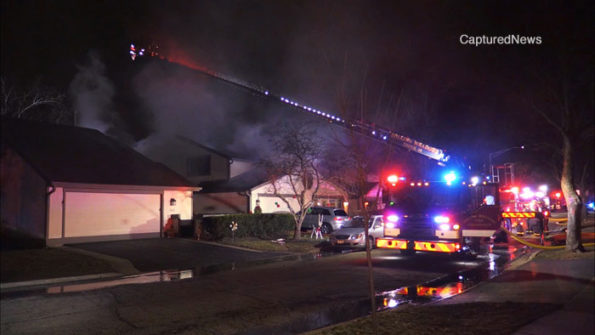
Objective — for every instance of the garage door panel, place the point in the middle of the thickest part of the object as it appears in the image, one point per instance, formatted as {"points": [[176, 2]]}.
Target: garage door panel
{"points": [[97, 214]]}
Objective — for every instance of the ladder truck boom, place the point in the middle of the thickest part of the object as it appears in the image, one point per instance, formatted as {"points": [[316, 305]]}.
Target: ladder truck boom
{"points": [[379, 133]]}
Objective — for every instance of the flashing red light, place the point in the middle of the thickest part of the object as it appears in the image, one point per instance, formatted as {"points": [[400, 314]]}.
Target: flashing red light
{"points": [[558, 195], [392, 179], [546, 213]]}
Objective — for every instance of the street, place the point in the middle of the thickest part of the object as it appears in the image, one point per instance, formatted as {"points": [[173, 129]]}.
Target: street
{"points": [[279, 297]]}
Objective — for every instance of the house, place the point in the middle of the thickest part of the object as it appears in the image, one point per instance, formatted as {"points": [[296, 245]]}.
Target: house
{"points": [[199, 164], [196, 162], [231, 184], [66, 184], [242, 193]]}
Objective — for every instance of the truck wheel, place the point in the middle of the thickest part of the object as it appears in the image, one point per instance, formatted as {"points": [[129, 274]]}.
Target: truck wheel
{"points": [[326, 228]]}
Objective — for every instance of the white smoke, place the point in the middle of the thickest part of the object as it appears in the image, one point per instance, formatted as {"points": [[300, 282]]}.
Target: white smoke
{"points": [[92, 94]]}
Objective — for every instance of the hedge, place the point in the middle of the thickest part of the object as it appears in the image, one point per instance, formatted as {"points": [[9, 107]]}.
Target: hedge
{"points": [[264, 226]]}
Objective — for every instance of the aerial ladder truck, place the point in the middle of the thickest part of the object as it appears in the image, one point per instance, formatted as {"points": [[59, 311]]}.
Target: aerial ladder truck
{"points": [[445, 216]]}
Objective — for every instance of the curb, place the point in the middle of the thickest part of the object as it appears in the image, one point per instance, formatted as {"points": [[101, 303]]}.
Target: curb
{"points": [[228, 246], [37, 282]]}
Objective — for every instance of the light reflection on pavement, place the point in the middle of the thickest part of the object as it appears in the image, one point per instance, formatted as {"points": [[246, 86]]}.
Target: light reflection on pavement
{"points": [[145, 278], [441, 288]]}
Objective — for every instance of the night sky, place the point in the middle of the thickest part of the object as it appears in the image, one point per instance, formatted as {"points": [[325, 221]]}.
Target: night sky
{"points": [[399, 64]]}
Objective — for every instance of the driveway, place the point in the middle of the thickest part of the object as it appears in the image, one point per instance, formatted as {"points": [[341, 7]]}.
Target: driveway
{"points": [[163, 254]]}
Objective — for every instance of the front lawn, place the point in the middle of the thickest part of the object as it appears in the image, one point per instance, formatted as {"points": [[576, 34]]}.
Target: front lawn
{"points": [[33, 264], [304, 245], [472, 318]]}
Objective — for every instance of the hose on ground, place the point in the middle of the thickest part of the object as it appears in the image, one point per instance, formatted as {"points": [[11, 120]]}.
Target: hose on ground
{"points": [[537, 246]]}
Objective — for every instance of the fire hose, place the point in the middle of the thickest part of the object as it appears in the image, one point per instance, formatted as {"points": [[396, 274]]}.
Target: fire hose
{"points": [[533, 245]]}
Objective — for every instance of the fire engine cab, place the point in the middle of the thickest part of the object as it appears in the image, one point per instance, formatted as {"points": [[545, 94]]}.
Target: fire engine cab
{"points": [[445, 216]]}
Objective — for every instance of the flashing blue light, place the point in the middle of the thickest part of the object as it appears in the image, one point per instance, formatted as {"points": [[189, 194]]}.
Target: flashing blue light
{"points": [[591, 205], [450, 177], [441, 219]]}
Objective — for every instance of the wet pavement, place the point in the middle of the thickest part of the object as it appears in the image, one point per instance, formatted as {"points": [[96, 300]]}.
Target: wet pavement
{"points": [[278, 297]]}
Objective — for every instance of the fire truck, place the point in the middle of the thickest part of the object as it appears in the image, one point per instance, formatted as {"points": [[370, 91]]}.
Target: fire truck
{"points": [[443, 216]]}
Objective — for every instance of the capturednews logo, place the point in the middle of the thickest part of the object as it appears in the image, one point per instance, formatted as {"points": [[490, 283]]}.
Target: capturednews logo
{"points": [[511, 39]]}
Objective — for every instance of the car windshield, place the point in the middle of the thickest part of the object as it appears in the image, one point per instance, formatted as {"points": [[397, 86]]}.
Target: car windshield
{"points": [[423, 199]]}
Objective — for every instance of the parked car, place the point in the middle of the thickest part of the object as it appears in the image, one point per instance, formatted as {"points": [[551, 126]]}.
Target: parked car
{"points": [[332, 219], [354, 235]]}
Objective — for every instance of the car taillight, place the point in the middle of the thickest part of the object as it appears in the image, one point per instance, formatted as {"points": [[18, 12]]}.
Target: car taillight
{"points": [[339, 218]]}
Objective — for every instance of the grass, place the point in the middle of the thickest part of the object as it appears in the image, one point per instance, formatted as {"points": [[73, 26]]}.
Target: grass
{"points": [[304, 245], [32, 264], [472, 318], [566, 255]]}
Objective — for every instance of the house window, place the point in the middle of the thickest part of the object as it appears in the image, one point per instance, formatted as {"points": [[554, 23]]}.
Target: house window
{"points": [[198, 166]]}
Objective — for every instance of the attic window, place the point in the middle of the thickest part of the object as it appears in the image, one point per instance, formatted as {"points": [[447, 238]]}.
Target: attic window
{"points": [[198, 166]]}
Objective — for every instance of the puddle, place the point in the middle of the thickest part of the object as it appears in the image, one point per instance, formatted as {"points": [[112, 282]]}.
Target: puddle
{"points": [[447, 286], [176, 275], [492, 265]]}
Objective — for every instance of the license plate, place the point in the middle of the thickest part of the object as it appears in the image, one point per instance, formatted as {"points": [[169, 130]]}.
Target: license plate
{"points": [[340, 241]]}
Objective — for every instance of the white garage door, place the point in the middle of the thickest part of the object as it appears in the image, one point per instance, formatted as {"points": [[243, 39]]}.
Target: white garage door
{"points": [[100, 214]]}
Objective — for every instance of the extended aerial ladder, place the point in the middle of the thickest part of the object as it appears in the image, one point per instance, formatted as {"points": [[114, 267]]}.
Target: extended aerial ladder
{"points": [[379, 133]]}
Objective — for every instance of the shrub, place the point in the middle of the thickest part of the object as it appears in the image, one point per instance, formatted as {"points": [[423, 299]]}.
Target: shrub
{"points": [[263, 226]]}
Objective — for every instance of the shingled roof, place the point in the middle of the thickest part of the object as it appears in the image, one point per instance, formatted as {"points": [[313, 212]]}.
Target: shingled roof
{"points": [[80, 155], [240, 183]]}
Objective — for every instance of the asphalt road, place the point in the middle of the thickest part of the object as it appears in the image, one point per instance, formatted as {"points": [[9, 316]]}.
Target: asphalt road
{"points": [[278, 297]]}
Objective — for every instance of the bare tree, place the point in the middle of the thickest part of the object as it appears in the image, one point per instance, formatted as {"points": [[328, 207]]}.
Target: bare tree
{"points": [[36, 103], [293, 172], [567, 105]]}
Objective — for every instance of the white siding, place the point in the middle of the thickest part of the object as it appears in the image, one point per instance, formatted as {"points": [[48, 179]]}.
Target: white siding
{"points": [[183, 206], [55, 213]]}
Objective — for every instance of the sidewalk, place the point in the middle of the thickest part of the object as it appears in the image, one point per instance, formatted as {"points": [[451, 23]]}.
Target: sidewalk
{"points": [[532, 280]]}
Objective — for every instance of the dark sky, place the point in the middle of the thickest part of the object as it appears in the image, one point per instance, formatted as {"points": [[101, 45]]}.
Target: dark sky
{"points": [[396, 63]]}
